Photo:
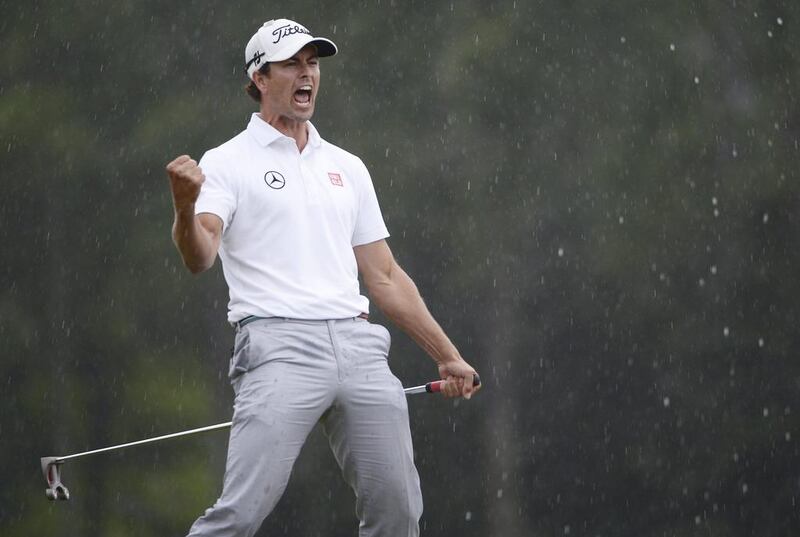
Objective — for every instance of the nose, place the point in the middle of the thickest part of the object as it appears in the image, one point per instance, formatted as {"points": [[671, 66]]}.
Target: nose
{"points": [[308, 68]]}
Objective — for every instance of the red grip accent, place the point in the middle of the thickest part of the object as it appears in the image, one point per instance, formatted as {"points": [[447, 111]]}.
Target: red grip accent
{"points": [[434, 387]]}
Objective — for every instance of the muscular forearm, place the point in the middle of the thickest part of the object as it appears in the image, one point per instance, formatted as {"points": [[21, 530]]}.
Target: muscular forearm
{"points": [[398, 298], [194, 242], [395, 294], [196, 237]]}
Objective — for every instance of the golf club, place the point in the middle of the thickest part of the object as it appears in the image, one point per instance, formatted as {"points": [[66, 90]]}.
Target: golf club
{"points": [[51, 466]]}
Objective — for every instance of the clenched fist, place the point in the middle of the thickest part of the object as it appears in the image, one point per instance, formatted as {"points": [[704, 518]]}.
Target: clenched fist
{"points": [[185, 178]]}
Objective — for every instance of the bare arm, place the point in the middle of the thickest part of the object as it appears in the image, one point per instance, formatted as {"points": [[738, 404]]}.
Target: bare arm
{"points": [[197, 237], [393, 291]]}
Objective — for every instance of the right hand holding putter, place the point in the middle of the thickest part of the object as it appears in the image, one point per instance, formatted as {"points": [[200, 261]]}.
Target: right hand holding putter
{"points": [[185, 178], [460, 379]]}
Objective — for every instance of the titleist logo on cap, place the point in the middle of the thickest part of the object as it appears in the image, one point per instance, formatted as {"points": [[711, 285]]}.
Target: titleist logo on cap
{"points": [[287, 30]]}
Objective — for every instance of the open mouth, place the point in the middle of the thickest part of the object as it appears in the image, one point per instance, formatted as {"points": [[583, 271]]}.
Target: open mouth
{"points": [[303, 95]]}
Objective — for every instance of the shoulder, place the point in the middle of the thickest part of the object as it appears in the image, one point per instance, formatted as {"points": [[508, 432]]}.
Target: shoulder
{"points": [[231, 148], [226, 154]]}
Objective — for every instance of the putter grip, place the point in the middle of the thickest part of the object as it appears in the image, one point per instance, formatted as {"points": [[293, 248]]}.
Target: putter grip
{"points": [[436, 385]]}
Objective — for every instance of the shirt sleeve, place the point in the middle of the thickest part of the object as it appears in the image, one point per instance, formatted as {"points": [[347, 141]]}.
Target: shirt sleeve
{"points": [[218, 194], [370, 226]]}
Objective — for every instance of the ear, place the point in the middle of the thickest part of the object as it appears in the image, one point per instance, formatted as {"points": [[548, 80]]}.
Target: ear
{"points": [[261, 81]]}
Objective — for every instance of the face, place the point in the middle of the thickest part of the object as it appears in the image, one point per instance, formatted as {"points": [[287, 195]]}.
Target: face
{"points": [[291, 86]]}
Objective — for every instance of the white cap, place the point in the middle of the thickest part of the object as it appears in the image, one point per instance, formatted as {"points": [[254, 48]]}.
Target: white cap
{"points": [[279, 40]]}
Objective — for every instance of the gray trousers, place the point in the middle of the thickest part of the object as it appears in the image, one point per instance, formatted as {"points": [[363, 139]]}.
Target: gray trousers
{"points": [[287, 376]]}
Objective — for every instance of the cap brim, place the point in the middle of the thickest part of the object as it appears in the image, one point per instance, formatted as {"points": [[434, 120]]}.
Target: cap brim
{"points": [[325, 47]]}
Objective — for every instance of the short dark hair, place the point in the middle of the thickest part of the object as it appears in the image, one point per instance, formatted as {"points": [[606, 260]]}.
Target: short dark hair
{"points": [[251, 88]]}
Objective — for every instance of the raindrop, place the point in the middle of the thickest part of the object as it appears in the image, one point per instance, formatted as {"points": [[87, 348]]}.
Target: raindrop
{"points": [[560, 252], [621, 219], [499, 493], [697, 80], [666, 402], [769, 33], [765, 412], [622, 39], [726, 331], [713, 269], [779, 21], [765, 218], [744, 488], [761, 342], [468, 516], [672, 47]]}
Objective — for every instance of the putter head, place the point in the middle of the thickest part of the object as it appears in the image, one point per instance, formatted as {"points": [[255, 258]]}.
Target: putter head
{"points": [[51, 468]]}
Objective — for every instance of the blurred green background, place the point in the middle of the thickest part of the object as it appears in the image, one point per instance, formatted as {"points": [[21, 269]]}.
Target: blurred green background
{"points": [[599, 202]]}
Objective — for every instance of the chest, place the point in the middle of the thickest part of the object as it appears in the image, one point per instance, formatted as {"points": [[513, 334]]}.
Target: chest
{"points": [[299, 188]]}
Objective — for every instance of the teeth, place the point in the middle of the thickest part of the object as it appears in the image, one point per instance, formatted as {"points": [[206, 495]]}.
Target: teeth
{"points": [[307, 87]]}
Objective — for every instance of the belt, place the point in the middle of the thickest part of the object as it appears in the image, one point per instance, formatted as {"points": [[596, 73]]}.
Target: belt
{"points": [[250, 318]]}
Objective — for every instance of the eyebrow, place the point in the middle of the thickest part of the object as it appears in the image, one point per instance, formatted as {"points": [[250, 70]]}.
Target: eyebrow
{"points": [[297, 58]]}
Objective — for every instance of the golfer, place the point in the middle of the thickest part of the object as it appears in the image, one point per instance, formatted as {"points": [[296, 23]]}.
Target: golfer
{"points": [[295, 220]]}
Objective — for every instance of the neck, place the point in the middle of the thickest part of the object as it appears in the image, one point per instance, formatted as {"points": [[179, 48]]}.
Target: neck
{"points": [[292, 128]]}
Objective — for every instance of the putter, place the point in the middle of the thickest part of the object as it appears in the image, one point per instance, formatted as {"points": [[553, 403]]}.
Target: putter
{"points": [[51, 466]]}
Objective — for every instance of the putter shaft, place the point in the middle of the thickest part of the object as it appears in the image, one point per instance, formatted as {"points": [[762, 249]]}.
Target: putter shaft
{"points": [[147, 441]]}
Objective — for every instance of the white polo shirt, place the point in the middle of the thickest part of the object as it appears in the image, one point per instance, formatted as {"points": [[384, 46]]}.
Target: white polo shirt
{"points": [[290, 222]]}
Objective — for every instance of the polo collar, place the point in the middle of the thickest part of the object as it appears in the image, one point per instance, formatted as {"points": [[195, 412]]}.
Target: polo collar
{"points": [[265, 134], [314, 139]]}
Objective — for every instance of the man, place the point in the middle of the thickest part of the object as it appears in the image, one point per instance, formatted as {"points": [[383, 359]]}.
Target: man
{"points": [[295, 220]]}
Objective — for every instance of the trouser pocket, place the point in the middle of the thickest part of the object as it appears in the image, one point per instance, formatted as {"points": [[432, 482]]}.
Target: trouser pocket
{"points": [[240, 358]]}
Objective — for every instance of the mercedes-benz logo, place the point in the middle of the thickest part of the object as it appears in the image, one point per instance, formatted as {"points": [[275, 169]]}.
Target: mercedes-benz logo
{"points": [[274, 180]]}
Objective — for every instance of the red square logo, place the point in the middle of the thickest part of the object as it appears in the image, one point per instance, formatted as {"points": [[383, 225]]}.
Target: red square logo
{"points": [[335, 178]]}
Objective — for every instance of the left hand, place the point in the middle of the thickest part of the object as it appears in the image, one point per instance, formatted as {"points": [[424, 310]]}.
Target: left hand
{"points": [[459, 377]]}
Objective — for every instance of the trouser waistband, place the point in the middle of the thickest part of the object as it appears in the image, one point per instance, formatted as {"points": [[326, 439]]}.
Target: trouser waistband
{"points": [[251, 318]]}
